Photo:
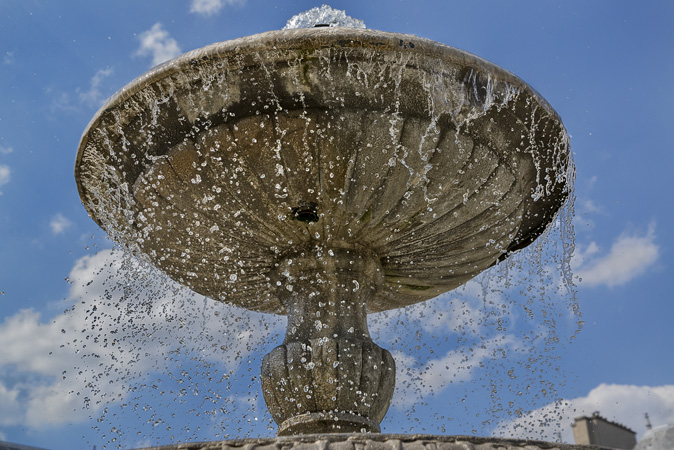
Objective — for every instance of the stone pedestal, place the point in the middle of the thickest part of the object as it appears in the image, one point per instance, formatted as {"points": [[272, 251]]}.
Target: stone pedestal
{"points": [[328, 376]]}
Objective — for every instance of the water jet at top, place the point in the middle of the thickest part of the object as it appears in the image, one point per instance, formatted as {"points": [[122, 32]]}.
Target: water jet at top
{"points": [[325, 172]]}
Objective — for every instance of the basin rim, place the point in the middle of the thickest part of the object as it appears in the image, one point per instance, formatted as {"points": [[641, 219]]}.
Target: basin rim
{"points": [[306, 39]]}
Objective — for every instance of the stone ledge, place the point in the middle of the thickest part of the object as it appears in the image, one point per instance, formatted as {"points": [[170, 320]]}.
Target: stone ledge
{"points": [[358, 441]]}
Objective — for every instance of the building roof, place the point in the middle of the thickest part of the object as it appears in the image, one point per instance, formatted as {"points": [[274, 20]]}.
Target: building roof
{"points": [[596, 415]]}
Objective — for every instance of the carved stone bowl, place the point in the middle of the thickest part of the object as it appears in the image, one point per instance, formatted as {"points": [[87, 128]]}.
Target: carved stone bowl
{"points": [[224, 162]]}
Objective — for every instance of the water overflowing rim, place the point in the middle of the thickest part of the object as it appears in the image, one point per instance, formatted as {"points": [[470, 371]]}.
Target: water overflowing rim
{"points": [[306, 39]]}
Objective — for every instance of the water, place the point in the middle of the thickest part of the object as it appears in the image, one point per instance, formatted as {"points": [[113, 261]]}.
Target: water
{"points": [[182, 366], [400, 152], [185, 368], [323, 16], [473, 359]]}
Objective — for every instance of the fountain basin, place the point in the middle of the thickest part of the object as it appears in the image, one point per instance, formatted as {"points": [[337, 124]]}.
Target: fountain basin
{"points": [[218, 164]]}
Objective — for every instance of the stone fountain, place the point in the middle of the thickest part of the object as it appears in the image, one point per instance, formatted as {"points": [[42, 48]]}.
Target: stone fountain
{"points": [[325, 173]]}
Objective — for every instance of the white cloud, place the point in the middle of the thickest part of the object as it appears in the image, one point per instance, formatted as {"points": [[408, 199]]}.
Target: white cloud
{"points": [[414, 383], [5, 173], [10, 404], [630, 256], [459, 316], [584, 253], [592, 181], [210, 7], [125, 322], [60, 101], [586, 209], [94, 97], [624, 404], [483, 327], [6, 150], [8, 58], [157, 42], [59, 224], [589, 206], [31, 350], [460, 312]]}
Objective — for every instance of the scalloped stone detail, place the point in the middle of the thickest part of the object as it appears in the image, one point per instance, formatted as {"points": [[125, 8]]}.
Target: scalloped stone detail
{"points": [[328, 385]]}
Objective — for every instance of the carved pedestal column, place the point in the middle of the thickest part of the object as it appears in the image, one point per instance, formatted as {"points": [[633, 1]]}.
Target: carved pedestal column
{"points": [[328, 376]]}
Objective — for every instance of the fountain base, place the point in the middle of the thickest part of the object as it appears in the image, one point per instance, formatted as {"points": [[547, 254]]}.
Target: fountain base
{"points": [[337, 421], [358, 441]]}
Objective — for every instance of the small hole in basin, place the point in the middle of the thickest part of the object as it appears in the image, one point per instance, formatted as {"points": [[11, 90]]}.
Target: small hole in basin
{"points": [[306, 212]]}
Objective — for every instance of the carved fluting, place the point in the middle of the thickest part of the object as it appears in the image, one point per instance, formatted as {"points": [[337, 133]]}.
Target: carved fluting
{"points": [[347, 383], [206, 182]]}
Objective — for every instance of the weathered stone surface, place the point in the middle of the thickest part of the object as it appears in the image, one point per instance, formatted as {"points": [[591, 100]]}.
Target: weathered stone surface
{"points": [[435, 160], [328, 376], [377, 442]]}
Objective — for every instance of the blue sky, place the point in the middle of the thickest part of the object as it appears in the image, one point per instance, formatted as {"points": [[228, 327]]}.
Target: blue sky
{"points": [[183, 368]]}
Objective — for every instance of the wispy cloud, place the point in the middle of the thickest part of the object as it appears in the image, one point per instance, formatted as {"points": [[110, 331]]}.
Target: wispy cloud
{"points": [[631, 255], [53, 372], [6, 150], [210, 7], [415, 383], [592, 181], [8, 58], [60, 101], [5, 173], [588, 206], [585, 210], [157, 43], [59, 224], [9, 398], [625, 404], [484, 338], [93, 96]]}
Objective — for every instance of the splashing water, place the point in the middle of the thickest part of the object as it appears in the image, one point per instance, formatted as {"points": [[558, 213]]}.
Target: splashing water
{"points": [[186, 368], [475, 359], [323, 16], [214, 215], [182, 365]]}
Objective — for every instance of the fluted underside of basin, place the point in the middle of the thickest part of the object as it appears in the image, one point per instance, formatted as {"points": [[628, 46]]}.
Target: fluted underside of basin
{"points": [[223, 162]]}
